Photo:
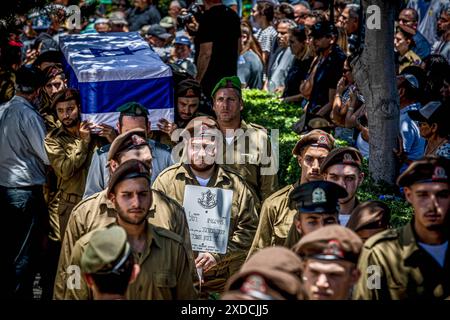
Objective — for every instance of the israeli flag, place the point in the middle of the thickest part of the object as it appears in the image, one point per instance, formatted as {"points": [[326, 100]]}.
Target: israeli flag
{"points": [[110, 69]]}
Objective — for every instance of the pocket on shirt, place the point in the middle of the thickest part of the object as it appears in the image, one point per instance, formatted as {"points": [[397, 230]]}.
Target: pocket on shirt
{"points": [[165, 280]]}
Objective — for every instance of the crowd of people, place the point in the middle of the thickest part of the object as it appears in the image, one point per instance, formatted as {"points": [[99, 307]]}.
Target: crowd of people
{"points": [[110, 202]]}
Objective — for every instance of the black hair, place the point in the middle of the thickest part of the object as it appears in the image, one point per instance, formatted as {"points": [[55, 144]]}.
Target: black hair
{"points": [[124, 114], [266, 9]]}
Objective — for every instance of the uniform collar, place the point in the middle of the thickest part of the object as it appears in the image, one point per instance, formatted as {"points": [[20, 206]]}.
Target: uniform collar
{"points": [[408, 241], [219, 176]]}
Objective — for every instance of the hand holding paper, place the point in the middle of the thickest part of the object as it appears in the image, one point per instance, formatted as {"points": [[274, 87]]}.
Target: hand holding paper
{"points": [[206, 261]]}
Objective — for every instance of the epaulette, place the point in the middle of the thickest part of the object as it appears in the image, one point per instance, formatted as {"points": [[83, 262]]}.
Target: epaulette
{"points": [[168, 234], [103, 149], [386, 235], [257, 126]]}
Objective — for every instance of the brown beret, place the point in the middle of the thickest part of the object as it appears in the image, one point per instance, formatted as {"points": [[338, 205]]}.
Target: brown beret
{"points": [[316, 138], [279, 269], [332, 242], [129, 169], [429, 169], [201, 125], [188, 88], [345, 155], [127, 141], [369, 215]]}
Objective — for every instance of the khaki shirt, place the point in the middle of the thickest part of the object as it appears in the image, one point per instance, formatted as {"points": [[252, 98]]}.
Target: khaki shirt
{"points": [[243, 220], [165, 269], [406, 270], [276, 219], [97, 212], [69, 157], [251, 157]]}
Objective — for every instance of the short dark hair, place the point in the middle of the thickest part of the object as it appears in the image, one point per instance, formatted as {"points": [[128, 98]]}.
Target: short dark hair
{"points": [[266, 9], [66, 95], [117, 282], [126, 115]]}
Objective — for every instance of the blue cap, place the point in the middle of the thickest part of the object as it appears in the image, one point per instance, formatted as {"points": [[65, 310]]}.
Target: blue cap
{"points": [[183, 40]]}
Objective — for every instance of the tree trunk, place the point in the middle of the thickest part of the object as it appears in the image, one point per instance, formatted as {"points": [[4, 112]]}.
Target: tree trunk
{"points": [[374, 73]]}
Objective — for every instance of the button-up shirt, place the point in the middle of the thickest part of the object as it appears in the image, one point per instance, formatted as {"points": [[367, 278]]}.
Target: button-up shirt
{"points": [[22, 133]]}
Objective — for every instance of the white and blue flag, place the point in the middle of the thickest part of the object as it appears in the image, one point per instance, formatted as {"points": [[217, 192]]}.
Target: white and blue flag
{"points": [[111, 69]]}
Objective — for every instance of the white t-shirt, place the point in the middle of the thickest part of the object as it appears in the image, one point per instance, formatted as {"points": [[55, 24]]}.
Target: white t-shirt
{"points": [[203, 182], [229, 139], [436, 251], [343, 219]]}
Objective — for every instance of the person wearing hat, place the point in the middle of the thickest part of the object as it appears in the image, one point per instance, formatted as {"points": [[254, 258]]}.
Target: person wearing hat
{"points": [[413, 262], [369, 218], [412, 145], [133, 115], [247, 145], [343, 166], [169, 24], [182, 55], [187, 97], [69, 148], [108, 264], [432, 119], [279, 209], [326, 69], [216, 44], [317, 205], [330, 255], [158, 39], [22, 168], [270, 274], [102, 25], [97, 211], [165, 259], [118, 22], [200, 168]]}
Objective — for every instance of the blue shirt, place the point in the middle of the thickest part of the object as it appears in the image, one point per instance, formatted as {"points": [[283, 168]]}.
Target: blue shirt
{"points": [[98, 175], [413, 143], [22, 153]]}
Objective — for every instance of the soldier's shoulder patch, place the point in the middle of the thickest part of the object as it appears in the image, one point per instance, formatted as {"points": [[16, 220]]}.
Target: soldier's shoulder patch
{"points": [[257, 126], [164, 233], [387, 235], [103, 149]]}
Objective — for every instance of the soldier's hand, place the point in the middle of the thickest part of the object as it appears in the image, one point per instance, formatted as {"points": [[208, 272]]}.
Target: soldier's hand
{"points": [[166, 126], [107, 132], [206, 261], [85, 131]]}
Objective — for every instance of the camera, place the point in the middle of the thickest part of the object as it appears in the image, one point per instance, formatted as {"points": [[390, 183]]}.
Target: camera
{"points": [[194, 10]]}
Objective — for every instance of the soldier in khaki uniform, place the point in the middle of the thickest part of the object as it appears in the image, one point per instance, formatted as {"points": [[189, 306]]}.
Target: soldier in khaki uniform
{"points": [[108, 264], [270, 274], [69, 149], [199, 168], [343, 166], [412, 262], [97, 211], [247, 146], [278, 210], [165, 262], [329, 255], [317, 206], [369, 218]]}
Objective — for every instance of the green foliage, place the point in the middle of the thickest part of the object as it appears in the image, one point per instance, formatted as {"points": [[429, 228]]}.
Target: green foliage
{"points": [[269, 111]]}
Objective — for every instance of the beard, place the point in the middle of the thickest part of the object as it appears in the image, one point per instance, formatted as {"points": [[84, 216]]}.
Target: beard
{"points": [[128, 218], [202, 168], [72, 123]]}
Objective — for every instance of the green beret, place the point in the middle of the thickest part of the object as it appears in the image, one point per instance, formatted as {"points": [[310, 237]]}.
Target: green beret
{"points": [[227, 82], [107, 250], [132, 109]]}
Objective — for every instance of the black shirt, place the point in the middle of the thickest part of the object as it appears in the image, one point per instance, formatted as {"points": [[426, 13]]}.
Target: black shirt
{"points": [[296, 74], [221, 26], [138, 18], [327, 76]]}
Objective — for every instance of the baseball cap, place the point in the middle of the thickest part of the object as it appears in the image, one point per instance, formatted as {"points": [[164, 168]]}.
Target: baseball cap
{"points": [[157, 31]]}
